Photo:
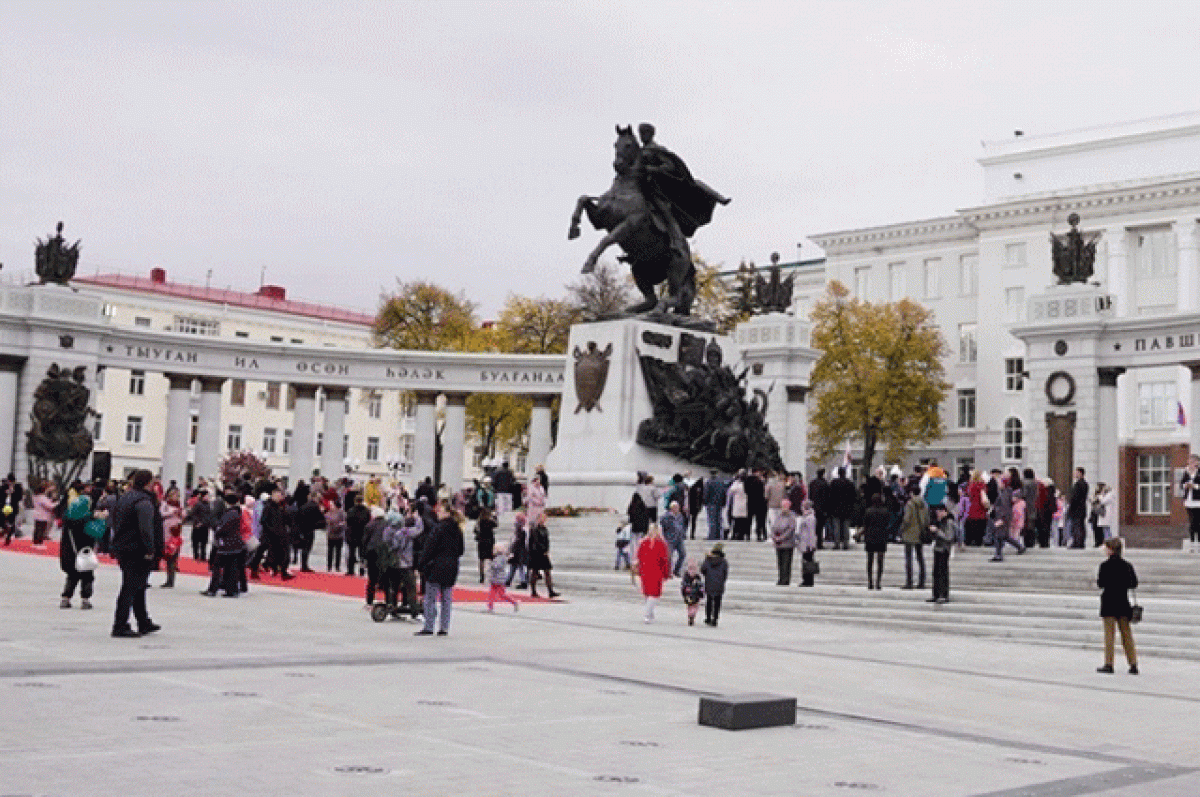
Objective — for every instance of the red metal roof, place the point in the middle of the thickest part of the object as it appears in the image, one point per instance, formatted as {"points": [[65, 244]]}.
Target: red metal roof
{"points": [[230, 297]]}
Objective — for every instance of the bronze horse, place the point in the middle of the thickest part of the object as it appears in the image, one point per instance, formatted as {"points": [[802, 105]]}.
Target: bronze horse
{"points": [[639, 220]]}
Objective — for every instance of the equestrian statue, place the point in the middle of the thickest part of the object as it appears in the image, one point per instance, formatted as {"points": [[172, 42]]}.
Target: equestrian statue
{"points": [[652, 208]]}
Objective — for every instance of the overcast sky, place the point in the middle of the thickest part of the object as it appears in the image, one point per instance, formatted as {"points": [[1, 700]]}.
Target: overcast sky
{"points": [[343, 145]]}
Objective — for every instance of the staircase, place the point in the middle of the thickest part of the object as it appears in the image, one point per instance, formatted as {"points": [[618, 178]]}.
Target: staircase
{"points": [[1046, 596]]}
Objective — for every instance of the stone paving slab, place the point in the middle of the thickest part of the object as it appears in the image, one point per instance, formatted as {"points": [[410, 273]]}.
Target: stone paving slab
{"points": [[285, 691]]}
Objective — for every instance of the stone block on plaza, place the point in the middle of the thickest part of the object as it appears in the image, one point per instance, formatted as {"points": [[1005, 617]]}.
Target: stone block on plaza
{"points": [[747, 711]]}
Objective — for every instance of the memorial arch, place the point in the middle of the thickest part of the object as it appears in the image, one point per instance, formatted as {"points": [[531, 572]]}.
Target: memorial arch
{"points": [[52, 324]]}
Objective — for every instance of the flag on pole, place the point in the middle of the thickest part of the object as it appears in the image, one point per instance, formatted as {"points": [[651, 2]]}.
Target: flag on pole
{"points": [[1182, 416]]}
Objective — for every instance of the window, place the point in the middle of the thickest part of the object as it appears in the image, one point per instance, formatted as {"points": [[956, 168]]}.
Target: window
{"points": [[407, 448], [1014, 440], [133, 429], [862, 283], [100, 371], [297, 340], [933, 268], [277, 339], [966, 408], [287, 441], [345, 446], [968, 351], [241, 334], [896, 287], [98, 427], [968, 275], [1014, 374], [268, 445], [375, 406], [137, 383], [272, 395], [291, 397], [1156, 404], [1014, 255], [408, 405], [521, 462], [321, 402], [237, 393], [233, 440], [372, 449], [192, 325], [1154, 252], [1153, 485], [320, 444], [1014, 304], [193, 430], [141, 321]]}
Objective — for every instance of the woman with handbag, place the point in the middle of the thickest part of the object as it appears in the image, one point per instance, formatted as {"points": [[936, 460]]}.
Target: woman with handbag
{"points": [[1115, 579], [75, 554]]}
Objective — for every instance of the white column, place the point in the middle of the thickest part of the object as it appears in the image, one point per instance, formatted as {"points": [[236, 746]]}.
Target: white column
{"points": [[304, 422], [1189, 265], [795, 437], [1193, 419], [10, 383], [424, 435], [1108, 468], [1119, 280], [332, 432], [208, 431], [454, 440], [539, 432], [179, 422]]}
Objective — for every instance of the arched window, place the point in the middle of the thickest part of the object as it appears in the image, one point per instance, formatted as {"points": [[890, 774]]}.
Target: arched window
{"points": [[1014, 440]]}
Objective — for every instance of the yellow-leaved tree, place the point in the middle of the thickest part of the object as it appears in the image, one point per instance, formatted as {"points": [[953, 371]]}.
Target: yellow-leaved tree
{"points": [[880, 377]]}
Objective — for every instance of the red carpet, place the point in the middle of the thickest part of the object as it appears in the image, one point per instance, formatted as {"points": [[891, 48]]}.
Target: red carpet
{"points": [[329, 583]]}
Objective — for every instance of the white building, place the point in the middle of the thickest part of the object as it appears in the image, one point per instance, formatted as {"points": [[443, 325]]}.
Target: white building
{"points": [[982, 269]]}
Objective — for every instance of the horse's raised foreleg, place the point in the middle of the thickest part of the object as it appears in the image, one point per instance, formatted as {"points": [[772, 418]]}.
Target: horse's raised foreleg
{"points": [[580, 206], [617, 234]]}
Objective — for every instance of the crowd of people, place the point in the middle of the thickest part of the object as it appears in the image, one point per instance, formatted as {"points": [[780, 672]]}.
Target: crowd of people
{"points": [[405, 547]]}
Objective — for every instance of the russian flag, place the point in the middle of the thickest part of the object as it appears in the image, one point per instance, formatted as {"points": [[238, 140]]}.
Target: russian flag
{"points": [[1182, 416]]}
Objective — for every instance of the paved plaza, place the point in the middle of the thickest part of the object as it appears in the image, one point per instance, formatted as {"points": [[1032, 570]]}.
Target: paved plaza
{"points": [[292, 692]]}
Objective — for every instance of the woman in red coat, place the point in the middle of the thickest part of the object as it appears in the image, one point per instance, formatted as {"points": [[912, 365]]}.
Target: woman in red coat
{"points": [[654, 566]]}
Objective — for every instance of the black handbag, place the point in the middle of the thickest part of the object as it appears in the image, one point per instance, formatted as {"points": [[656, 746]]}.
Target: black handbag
{"points": [[1135, 611], [812, 568]]}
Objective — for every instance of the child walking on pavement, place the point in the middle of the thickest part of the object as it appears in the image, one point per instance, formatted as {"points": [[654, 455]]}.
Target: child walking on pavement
{"points": [[692, 589], [498, 577]]}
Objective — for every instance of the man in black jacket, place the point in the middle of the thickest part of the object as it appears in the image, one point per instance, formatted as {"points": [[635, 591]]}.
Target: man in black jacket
{"points": [[842, 496], [275, 534], [439, 569], [137, 543], [818, 493], [756, 502], [1077, 510]]}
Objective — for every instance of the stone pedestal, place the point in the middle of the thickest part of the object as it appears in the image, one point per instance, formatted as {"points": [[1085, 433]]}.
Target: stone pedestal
{"points": [[596, 459], [1069, 396]]}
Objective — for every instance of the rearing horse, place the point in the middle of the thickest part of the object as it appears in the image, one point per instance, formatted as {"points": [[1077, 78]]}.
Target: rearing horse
{"points": [[630, 221]]}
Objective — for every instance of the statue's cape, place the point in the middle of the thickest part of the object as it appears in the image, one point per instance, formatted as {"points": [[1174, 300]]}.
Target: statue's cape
{"points": [[664, 174]]}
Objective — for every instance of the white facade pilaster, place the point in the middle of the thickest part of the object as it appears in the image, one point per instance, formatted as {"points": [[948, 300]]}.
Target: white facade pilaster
{"points": [[795, 444], [10, 385], [1119, 278], [454, 440], [208, 431], [1107, 467], [179, 422], [332, 431], [304, 421], [424, 435], [1187, 234], [1194, 415], [539, 432]]}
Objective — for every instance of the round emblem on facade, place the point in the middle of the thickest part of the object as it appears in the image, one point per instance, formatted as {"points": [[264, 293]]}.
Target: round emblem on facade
{"points": [[1060, 388], [1060, 347]]}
